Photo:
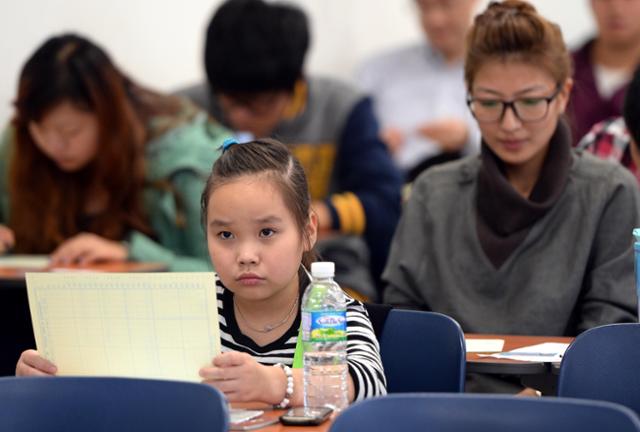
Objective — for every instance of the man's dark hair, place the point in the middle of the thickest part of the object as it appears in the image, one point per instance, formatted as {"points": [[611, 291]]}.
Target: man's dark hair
{"points": [[253, 46], [631, 109]]}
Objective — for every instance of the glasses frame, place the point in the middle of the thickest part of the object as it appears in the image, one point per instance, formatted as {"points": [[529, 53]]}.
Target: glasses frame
{"points": [[511, 104]]}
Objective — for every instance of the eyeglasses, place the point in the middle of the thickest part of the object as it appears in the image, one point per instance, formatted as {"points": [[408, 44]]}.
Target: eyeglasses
{"points": [[527, 109]]}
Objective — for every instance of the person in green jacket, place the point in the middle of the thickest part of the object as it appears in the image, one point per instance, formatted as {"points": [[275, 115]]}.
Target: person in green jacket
{"points": [[95, 167]]}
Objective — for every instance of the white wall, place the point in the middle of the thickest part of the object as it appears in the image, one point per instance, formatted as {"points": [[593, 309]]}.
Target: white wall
{"points": [[159, 42]]}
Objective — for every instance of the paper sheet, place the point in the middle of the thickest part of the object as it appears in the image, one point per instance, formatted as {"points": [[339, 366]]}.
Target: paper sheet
{"points": [[27, 262], [484, 345], [548, 352], [239, 415], [146, 325]]}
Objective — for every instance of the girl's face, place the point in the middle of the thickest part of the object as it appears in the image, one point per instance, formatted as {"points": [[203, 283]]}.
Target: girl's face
{"points": [[254, 242], [67, 135], [514, 141]]}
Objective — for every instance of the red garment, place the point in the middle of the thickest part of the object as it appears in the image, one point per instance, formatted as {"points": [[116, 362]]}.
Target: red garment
{"points": [[610, 140], [586, 106]]}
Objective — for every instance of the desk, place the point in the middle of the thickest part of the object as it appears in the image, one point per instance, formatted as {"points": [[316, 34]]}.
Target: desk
{"points": [[15, 276], [279, 427], [538, 375], [16, 332]]}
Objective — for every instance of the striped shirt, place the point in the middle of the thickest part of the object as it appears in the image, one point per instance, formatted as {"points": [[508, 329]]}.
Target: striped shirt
{"points": [[610, 140], [363, 351]]}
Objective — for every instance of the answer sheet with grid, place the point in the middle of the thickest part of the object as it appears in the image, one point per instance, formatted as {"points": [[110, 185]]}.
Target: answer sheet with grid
{"points": [[145, 325]]}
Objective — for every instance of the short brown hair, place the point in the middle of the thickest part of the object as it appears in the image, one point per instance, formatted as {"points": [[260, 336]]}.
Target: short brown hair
{"points": [[514, 30]]}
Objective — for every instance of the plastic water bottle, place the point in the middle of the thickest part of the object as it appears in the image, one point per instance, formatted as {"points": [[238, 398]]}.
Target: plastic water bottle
{"points": [[636, 249], [324, 337]]}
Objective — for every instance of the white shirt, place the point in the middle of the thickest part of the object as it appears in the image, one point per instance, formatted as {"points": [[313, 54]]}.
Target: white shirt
{"points": [[413, 86]]}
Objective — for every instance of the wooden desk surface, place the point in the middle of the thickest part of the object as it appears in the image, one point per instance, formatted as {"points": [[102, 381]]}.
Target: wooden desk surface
{"points": [[17, 274], [492, 365], [279, 427]]}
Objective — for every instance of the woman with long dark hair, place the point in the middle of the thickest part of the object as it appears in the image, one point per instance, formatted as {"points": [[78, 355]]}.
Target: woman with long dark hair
{"points": [[95, 167]]}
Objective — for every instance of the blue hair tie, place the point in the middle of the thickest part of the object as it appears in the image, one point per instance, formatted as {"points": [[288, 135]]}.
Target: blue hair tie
{"points": [[228, 143]]}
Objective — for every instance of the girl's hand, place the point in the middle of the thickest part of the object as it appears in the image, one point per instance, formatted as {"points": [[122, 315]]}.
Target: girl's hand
{"points": [[242, 379], [86, 248], [31, 363], [7, 239]]}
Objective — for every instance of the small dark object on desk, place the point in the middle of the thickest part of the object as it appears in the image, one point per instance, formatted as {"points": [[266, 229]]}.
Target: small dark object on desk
{"points": [[303, 416]]}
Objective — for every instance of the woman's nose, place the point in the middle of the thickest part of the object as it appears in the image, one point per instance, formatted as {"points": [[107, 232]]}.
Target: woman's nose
{"points": [[510, 120]]}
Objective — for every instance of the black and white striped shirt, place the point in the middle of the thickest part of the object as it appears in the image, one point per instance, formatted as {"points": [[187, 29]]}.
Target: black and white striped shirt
{"points": [[363, 351]]}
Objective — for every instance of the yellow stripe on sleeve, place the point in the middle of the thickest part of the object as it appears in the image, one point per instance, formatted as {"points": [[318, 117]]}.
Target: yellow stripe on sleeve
{"points": [[341, 204], [350, 211], [358, 216]]}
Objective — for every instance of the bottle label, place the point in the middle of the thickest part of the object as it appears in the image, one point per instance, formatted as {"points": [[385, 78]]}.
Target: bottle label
{"points": [[324, 326]]}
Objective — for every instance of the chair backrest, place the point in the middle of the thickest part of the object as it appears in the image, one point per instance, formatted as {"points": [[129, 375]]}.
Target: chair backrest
{"points": [[422, 352], [109, 404], [483, 413], [378, 313], [603, 363]]}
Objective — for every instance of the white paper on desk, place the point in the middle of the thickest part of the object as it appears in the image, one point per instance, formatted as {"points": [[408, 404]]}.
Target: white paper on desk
{"points": [[548, 352], [145, 325], [27, 262], [239, 415], [484, 345]]}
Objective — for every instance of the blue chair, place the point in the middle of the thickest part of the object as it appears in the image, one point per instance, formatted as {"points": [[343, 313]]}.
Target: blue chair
{"points": [[483, 413], [94, 404], [422, 352], [603, 363]]}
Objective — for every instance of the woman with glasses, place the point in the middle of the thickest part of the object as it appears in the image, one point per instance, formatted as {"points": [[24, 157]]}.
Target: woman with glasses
{"points": [[530, 237]]}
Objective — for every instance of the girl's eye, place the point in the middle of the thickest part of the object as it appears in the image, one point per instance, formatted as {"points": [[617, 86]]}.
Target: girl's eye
{"points": [[225, 235], [267, 232]]}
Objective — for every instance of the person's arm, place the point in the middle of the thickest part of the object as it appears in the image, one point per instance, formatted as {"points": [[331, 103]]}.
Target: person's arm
{"points": [[405, 272], [242, 379], [369, 202], [450, 134], [363, 355], [188, 237], [608, 292]]}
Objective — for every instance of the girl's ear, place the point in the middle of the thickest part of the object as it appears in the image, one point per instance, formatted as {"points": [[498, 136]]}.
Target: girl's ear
{"points": [[311, 231]]}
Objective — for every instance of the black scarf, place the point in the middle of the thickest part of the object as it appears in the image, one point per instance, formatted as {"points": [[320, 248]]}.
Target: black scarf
{"points": [[504, 217]]}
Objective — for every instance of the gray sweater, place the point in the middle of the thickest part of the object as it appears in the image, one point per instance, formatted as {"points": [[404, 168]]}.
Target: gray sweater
{"points": [[574, 270]]}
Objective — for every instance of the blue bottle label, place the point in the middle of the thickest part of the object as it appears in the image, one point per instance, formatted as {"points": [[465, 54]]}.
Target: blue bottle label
{"points": [[324, 326]]}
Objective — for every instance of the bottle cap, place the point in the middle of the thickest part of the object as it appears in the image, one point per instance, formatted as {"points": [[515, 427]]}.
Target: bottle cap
{"points": [[323, 269]]}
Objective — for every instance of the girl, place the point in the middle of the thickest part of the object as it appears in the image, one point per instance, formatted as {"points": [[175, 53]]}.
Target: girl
{"points": [[260, 233], [531, 237], [94, 167]]}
